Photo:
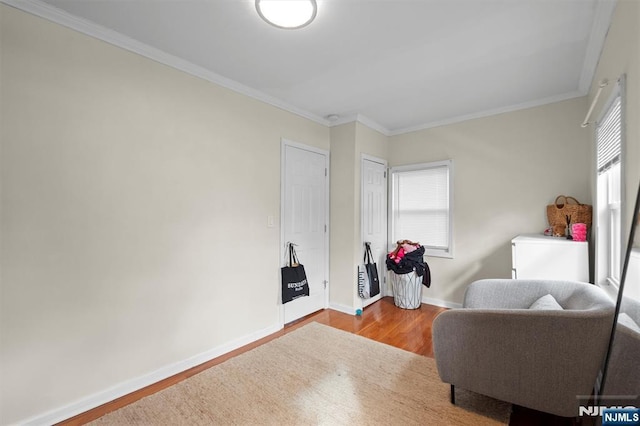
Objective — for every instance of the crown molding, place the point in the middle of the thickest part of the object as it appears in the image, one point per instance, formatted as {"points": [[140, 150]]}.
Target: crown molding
{"points": [[372, 124], [599, 29], [58, 16], [488, 113], [602, 20], [344, 119], [359, 118], [362, 119]]}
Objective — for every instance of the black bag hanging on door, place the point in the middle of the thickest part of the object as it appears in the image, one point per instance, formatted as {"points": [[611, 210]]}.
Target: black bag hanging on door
{"points": [[372, 271], [294, 278]]}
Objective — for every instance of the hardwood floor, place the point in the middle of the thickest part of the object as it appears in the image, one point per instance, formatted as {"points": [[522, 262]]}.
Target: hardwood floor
{"points": [[382, 321]]}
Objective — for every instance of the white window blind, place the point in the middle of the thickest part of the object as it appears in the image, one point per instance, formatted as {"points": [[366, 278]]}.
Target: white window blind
{"points": [[609, 133], [421, 206], [608, 137]]}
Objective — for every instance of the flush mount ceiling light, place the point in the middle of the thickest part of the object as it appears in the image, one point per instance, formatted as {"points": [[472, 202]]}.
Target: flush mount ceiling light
{"points": [[287, 14]]}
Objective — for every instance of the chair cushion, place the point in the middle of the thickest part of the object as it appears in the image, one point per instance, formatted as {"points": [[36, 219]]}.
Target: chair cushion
{"points": [[547, 303]]}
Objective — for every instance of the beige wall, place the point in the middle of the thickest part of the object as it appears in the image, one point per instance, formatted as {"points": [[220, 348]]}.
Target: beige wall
{"points": [[371, 142], [621, 55], [343, 217], [126, 183], [128, 189], [507, 168], [348, 143]]}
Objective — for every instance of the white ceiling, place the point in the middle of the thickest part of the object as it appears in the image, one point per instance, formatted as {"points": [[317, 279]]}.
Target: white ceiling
{"points": [[398, 65]]}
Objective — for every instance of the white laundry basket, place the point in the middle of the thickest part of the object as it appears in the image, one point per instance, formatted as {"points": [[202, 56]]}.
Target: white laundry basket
{"points": [[407, 290]]}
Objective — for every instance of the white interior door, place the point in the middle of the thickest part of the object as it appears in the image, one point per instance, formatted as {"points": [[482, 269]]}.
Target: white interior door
{"points": [[374, 216], [304, 222]]}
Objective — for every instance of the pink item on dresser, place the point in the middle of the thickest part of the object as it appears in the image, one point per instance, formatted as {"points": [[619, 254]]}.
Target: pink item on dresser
{"points": [[579, 231]]}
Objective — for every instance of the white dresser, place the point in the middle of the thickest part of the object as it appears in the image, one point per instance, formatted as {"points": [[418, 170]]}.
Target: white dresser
{"points": [[537, 256]]}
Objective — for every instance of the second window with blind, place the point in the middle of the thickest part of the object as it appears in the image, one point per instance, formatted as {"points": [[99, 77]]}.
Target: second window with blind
{"points": [[609, 148], [421, 202]]}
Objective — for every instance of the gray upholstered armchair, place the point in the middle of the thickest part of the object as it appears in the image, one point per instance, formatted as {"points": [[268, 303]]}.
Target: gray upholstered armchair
{"points": [[622, 384], [538, 358]]}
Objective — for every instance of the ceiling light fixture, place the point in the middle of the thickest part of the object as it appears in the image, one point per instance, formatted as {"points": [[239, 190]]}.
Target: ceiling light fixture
{"points": [[287, 14]]}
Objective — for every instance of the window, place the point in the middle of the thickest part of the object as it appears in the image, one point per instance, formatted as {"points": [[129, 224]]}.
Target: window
{"points": [[421, 206], [609, 139]]}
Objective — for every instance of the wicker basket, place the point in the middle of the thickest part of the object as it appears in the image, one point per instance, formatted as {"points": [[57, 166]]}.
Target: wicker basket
{"points": [[407, 290], [565, 211]]}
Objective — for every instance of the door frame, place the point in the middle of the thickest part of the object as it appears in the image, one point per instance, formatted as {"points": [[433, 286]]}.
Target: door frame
{"points": [[284, 143], [366, 157]]}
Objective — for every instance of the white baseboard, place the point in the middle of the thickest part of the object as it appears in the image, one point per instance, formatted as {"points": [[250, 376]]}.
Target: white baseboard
{"points": [[133, 385], [441, 303], [342, 308], [125, 388], [429, 301]]}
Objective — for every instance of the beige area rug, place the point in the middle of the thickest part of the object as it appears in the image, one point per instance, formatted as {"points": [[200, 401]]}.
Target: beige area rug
{"points": [[315, 375]]}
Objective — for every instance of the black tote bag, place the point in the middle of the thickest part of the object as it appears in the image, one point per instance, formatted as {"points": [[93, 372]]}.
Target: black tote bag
{"points": [[294, 278], [372, 271]]}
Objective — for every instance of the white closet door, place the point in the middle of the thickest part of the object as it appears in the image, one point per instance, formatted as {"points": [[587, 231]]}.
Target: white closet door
{"points": [[374, 215], [304, 222]]}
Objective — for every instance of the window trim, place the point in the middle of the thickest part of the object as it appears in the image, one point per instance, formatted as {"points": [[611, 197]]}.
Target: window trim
{"points": [[602, 262], [447, 252]]}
